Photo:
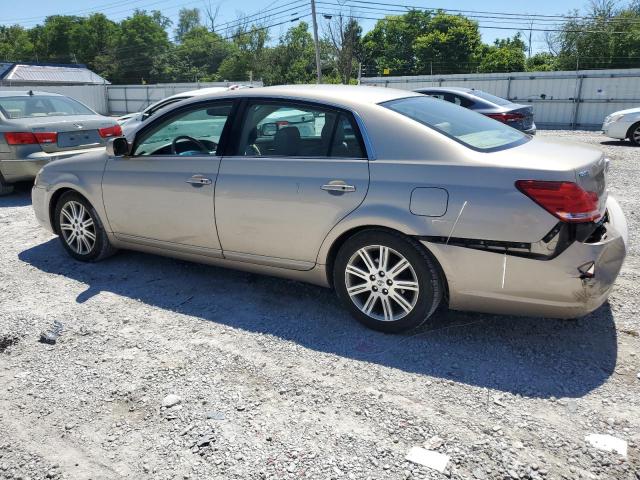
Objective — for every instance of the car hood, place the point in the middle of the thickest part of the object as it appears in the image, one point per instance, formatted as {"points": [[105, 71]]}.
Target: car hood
{"points": [[628, 110]]}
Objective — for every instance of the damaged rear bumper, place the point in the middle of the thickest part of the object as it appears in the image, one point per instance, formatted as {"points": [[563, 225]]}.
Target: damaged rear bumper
{"points": [[498, 283]]}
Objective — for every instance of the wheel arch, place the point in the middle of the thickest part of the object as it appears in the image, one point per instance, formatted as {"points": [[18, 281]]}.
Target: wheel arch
{"points": [[53, 202], [344, 236], [632, 128]]}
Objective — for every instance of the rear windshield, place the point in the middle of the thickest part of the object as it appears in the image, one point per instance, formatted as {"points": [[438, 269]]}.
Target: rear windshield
{"points": [[41, 106], [465, 126], [490, 98]]}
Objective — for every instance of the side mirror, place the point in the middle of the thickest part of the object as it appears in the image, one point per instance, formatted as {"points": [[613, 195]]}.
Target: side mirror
{"points": [[117, 147], [268, 129]]}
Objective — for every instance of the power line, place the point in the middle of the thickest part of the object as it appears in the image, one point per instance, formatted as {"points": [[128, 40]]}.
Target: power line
{"points": [[402, 19]]}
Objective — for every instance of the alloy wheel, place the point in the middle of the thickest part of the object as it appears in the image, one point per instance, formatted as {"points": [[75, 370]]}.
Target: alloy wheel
{"points": [[78, 228], [382, 283], [635, 136]]}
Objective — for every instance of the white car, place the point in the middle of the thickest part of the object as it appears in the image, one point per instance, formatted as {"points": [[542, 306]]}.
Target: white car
{"points": [[623, 124], [131, 121]]}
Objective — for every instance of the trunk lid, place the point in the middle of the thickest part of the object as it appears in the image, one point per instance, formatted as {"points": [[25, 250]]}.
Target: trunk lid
{"points": [[527, 122], [75, 133], [546, 159]]}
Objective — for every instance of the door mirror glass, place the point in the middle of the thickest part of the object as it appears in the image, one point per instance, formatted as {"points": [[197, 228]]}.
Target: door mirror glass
{"points": [[268, 129], [117, 147]]}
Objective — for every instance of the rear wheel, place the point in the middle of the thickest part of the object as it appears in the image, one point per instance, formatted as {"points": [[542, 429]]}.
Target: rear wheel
{"points": [[80, 229], [387, 280], [5, 188], [634, 134]]}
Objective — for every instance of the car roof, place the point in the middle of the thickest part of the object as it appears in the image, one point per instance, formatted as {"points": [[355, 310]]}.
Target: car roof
{"points": [[348, 96], [27, 93]]}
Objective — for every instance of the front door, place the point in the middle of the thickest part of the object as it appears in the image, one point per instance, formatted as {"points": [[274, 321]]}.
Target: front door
{"points": [[298, 169], [163, 193]]}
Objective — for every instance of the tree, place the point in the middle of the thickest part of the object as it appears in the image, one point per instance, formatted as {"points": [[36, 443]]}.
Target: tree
{"points": [[293, 59], [541, 62], [505, 55], [607, 37], [188, 19], [390, 44], [93, 42], [52, 40], [344, 39], [15, 44], [451, 43], [248, 55], [141, 40]]}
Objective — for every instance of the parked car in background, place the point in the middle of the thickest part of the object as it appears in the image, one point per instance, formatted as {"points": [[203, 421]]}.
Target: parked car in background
{"points": [[623, 124], [396, 200], [38, 127], [131, 121], [512, 114]]}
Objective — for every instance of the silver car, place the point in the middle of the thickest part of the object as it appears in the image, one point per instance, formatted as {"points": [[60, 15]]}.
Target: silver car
{"points": [[38, 127], [513, 114], [398, 201]]}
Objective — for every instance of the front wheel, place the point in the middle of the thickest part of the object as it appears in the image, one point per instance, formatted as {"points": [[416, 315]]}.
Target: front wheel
{"points": [[387, 280], [80, 229]]}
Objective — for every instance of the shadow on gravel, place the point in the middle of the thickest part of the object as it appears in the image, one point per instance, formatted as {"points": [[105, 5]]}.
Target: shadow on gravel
{"points": [[619, 143], [533, 357], [21, 197]]}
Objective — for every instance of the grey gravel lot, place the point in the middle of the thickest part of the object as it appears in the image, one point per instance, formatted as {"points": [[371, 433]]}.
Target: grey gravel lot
{"points": [[170, 370]]}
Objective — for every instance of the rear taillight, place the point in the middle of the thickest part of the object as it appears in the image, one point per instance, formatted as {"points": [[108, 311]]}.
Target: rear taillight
{"points": [[46, 137], [506, 117], [114, 131], [565, 200], [29, 138]]}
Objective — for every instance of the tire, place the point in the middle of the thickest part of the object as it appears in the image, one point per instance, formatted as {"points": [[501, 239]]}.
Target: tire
{"points": [[80, 230], [634, 134], [5, 188], [370, 292]]}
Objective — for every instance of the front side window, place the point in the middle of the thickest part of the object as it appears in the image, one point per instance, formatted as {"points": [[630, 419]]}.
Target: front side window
{"points": [[189, 133], [41, 106], [274, 129], [465, 126]]}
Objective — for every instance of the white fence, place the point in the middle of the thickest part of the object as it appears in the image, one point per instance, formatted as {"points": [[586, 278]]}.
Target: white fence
{"points": [[94, 96], [134, 98], [119, 99], [578, 99]]}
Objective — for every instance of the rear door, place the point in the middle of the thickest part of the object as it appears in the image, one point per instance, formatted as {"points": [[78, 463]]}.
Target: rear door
{"points": [[297, 169], [163, 193]]}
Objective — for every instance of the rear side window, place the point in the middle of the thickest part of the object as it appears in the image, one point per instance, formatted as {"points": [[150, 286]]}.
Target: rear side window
{"points": [[41, 106], [465, 126], [490, 98], [283, 129]]}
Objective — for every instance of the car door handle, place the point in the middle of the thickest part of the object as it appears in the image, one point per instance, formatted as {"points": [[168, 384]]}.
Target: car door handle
{"points": [[199, 180], [338, 187]]}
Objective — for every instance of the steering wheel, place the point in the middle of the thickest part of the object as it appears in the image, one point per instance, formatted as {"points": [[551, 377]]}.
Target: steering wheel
{"points": [[198, 143]]}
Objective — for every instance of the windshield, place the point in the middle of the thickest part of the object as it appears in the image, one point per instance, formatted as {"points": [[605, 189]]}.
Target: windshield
{"points": [[490, 98], [467, 127], [41, 106]]}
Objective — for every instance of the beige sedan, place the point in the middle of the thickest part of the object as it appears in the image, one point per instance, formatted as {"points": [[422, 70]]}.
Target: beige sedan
{"points": [[398, 201]]}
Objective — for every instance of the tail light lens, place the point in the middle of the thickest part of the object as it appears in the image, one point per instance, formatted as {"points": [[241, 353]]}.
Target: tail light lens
{"points": [[565, 200], [29, 138], [506, 117], [107, 132]]}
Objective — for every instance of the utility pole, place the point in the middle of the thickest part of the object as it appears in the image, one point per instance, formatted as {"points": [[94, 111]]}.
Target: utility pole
{"points": [[315, 40]]}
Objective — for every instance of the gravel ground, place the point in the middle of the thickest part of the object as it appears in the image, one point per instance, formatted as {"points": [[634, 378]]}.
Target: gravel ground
{"points": [[274, 380]]}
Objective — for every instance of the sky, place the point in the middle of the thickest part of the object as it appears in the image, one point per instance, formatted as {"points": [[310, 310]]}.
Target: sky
{"points": [[32, 12]]}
